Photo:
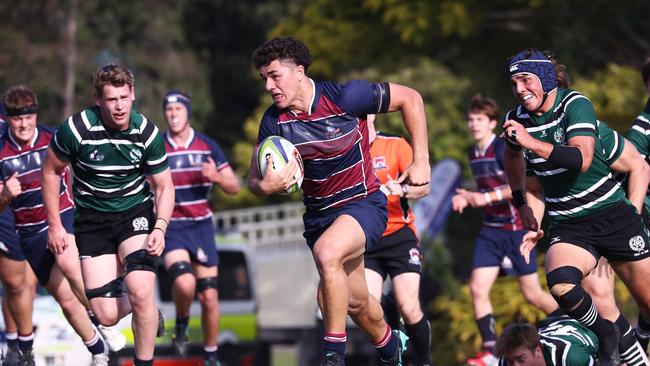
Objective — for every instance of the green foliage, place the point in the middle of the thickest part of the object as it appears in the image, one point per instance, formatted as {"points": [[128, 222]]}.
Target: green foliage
{"points": [[617, 93]]}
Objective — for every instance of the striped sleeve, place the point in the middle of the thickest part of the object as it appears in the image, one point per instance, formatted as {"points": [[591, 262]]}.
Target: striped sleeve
{"points": [[639, 135], [66, 140], [155, 155], [580, 117], [511, 142]]}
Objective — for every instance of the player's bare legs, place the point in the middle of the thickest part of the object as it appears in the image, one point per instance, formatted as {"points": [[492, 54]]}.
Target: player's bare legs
{"points": [[139, 286], [535, 295], [20, 297], [97, 272]]}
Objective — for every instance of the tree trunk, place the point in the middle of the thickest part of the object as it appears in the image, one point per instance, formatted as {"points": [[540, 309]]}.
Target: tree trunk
{"points": [[70, 59]]}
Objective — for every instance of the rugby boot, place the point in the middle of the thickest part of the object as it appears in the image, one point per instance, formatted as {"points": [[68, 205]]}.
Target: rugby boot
{"points": [[161, 325], [608, 354], [332, 359], [12, 357], [401, 348], [180, 342]]}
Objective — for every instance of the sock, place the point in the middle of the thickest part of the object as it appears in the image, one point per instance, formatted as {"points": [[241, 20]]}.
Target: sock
{"points": [[420, 337], [335, 342], [25, 342], [139, 362], [487, 328], [12, 340], [387, 345], [181, 324], [210, 352], [643, 327], [627, 346], [585, 311], [95, 345], [93, 318]]}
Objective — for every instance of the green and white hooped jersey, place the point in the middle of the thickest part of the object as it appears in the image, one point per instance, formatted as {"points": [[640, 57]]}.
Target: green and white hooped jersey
{"points": [[110, 166], [569, 194], [639, 135], [566, 342]]}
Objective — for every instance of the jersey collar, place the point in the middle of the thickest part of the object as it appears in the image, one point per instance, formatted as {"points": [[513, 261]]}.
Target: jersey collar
{"points": [[17, 144], [186, 144], [315, 94]]}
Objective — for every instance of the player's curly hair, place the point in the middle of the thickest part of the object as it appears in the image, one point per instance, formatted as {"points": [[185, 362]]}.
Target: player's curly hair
{"points": [[561, 73], [112, 74], [284, 49], [19, 97]]}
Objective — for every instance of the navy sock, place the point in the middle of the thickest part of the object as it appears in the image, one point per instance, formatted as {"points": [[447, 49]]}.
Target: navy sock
{"points": [[335, 342], [95, 345], [487, 328], [210, 352], [387, 345], [139, 362], [420, 338], [26, 342], [12, 340], [181, 324]]}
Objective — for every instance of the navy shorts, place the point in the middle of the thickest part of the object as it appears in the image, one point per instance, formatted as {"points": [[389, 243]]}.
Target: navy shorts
{"points": [[34, 245], [500, 248], [9, 243], [396, 253], [370, 212], [196, 237]]}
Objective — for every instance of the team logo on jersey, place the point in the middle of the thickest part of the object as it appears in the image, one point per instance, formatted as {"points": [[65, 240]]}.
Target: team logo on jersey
{"points": [[637, 244], [96, 156], [136, 156], [414, 257], [379, 162], [140, 224], [559, 136], [201, 256]]}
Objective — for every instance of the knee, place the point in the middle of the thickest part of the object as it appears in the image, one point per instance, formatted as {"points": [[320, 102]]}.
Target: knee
{"points": [[410, 310], [327, 261], [562, 280], [208, 299], [479, 290], [107, 316], [140, 296], [185, 285]]}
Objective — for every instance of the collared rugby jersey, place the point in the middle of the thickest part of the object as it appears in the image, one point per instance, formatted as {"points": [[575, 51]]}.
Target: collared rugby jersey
{"points": [[487, 169], [191, 187], [110, 166], [28, 209], [391, 155], [568, 193], [332, 138]]}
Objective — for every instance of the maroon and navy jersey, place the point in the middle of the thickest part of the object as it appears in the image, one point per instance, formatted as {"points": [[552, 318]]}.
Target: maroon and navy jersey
{"points": [[332, 138], [29, 212], [487, 168], [191, 187], [6, 216]]}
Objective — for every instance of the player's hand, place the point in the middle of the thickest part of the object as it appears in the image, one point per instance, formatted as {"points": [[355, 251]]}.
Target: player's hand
{"points": [[57, 239], [528, 243], [12, 188], [459, 200], [156, 242], [280, 181], [209, 170], [417, 174], [516, 131], [528, 220], [476, 199], [393, 187]]}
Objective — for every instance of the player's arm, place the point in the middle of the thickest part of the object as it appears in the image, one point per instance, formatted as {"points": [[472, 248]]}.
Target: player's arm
{"points": [[51, 173], [513, 162], [227, 180], [410, 103], [273, 181], [164, 194], [638, 174]]}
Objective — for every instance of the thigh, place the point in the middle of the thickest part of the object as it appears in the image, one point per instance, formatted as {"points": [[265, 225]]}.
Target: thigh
{"points": [[40, 259], [565, 254], [345, 238], [100, 270], [406, 287], [375, 283], [201, 271], [635, 275], [484, 277], [176, 255], [13, 272]]}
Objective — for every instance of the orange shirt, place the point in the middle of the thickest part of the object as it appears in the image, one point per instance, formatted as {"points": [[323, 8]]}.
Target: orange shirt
{"points": [[391, 155]]}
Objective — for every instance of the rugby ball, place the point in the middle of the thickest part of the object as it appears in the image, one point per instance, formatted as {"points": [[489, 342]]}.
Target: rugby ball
{"points": [[283, 152]]}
